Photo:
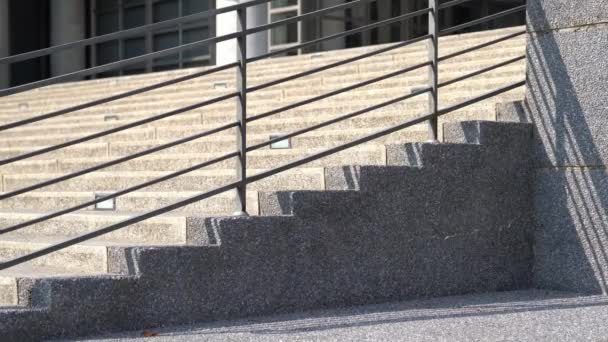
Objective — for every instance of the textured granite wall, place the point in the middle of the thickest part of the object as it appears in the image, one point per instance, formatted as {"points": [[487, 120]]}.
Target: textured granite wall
{"points": [[567, 100]]}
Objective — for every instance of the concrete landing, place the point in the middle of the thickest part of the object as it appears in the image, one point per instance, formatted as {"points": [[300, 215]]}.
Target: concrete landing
{"points": [[507, 316]]}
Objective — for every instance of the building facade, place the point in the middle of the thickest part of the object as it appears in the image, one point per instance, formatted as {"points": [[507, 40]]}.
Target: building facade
{"points": [[27, 25]]}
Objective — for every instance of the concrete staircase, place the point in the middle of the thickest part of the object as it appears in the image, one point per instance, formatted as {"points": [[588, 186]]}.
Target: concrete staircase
{"points": [[184, 228]]}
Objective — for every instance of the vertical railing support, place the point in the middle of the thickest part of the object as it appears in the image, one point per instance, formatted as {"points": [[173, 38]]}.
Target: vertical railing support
{"points": [[433, 49], [241, 113]]}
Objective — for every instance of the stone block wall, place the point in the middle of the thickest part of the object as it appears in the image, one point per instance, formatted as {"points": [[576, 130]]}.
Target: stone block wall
{"points": [[567, 101]]}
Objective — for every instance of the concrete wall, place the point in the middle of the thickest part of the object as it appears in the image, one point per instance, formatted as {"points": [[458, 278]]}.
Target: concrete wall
{"points": [[68, 19], [567, 100]]}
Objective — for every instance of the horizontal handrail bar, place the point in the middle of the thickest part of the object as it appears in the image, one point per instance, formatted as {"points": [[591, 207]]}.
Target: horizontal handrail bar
{"points": [[117, 129], [251, 179], [171, 51], [452, 3], [481, 71], [483, 20], [129, 32], [116, 161], [116, 97], [340, 35], [117, 194], [412, 122], [338, 119], [481, 46], [337, 64], [337, 92], [91, 235]]}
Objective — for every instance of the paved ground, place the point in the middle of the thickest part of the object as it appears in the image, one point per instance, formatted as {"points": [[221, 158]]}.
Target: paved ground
{"points": [[510, 316]]}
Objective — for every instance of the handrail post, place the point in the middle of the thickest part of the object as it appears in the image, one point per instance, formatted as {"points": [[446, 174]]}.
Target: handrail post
{"points": [[241, 113], [433, 50]]}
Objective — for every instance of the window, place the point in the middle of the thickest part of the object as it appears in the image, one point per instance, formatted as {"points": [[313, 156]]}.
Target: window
{"points": [[114, 15], [284, 36]]}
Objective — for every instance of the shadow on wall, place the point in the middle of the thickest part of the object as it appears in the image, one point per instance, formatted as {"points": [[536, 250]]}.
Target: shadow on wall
{"points": [[567, 99]]}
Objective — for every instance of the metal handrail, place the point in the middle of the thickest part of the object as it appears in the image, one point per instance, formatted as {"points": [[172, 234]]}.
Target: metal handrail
{"points": [[251, 179], [243, 179]]}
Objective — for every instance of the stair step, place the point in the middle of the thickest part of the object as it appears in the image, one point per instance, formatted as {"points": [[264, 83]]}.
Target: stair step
{"points": [[222, 204], [325, 82], [133, 108], [289, 61], [90, 258], [302, 178], [168, 229]]}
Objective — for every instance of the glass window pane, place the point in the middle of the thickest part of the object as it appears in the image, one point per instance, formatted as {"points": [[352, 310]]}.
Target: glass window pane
{"points": [[165, 10], [107, 23], [283, 3], [284, 34], [134, 16], [193, 35], [165, 41], [106, 5], [135, 47], [107, 52], [195, 6]]}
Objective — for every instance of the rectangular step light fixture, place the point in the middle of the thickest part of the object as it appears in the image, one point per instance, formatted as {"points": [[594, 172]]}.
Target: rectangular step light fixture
{"points": [[284, 144], [220, 85], [107, 205], [110, 117]]}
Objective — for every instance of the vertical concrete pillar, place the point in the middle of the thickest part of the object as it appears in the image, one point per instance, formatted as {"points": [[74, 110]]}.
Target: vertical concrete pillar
{"points": [[68, 24], [226, 23], [225, 52], [5, 76], [566, 100], [257, 44]]}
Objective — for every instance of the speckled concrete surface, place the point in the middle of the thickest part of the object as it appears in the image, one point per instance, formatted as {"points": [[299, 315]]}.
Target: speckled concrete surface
{"points": [[508, 316]]}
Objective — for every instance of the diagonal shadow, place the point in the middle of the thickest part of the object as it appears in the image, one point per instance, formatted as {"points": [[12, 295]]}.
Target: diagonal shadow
{"points": [[571, 191]]}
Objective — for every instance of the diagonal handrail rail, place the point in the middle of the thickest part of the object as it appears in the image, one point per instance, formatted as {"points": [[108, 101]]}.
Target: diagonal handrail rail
{"points": [[251, 179]]}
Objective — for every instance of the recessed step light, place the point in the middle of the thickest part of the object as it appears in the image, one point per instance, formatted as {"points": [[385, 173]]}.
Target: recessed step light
{"points": [[111, 117], [281, 144], [220, 85], [107, 205]]}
